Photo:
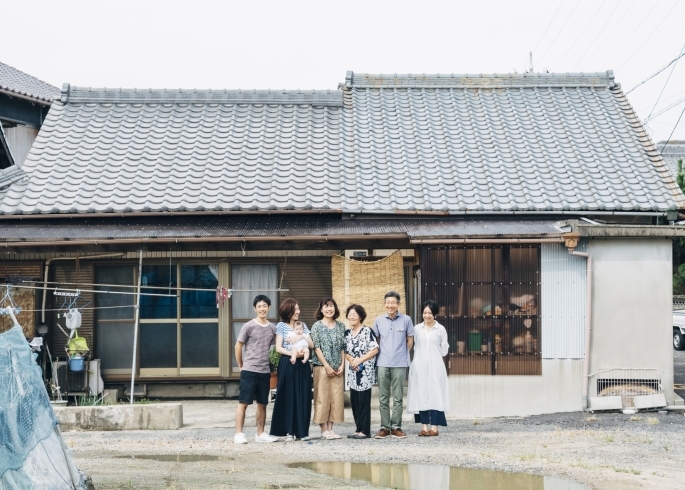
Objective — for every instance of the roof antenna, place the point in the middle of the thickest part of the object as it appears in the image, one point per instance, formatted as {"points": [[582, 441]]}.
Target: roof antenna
{"points": [[530, 65]]}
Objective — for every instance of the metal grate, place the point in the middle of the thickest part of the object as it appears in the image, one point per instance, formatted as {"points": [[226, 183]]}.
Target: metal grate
{"points": [[627, 383], [489, 301]]}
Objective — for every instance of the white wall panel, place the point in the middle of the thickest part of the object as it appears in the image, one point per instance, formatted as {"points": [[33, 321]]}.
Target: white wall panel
{"points": [[563, 302]]}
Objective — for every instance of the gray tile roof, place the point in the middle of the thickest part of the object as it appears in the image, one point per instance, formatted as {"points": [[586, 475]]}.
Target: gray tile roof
{"points": [[672, 151], [492, 143], [17, 82], [537, 143]]}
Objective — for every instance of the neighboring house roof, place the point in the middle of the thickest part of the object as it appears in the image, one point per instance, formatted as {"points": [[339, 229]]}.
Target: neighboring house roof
{"points": [[16, 82], [672, 151], [536, 143]]}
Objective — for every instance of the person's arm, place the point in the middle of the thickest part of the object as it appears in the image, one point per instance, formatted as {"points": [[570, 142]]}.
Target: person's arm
{"points": [[410, 334], [444, 345], [279, 346], [356, 361], [341, 368], [308, 338], [239, 353]]}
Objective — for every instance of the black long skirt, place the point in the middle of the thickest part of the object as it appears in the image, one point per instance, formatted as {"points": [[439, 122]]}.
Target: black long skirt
{"points": [[293, 406]]}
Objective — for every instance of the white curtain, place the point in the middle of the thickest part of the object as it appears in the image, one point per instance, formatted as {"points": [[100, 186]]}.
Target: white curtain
{"points": [[259, 279]]}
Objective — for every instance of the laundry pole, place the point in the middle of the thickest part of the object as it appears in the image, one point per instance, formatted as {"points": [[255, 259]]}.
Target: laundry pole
{"points": [[137, 322]]}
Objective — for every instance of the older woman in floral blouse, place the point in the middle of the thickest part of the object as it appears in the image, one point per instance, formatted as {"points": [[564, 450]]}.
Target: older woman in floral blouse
{"points": [[360, 351]]}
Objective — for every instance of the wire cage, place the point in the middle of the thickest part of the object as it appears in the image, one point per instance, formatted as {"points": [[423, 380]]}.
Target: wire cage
{"points": [[626, 383]]}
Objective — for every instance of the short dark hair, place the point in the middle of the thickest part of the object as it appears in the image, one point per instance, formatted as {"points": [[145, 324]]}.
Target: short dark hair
{"points": [[432, 305], [287, 309], [392, 294], [360, 311], [319, 315], [261, 297]]}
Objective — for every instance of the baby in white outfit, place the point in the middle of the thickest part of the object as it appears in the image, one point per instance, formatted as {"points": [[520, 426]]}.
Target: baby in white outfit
{"points": [[299, 346]]}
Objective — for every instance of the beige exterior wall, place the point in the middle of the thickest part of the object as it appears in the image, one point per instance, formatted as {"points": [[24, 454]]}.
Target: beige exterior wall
{"points": [[557, 390], [632, 306]]}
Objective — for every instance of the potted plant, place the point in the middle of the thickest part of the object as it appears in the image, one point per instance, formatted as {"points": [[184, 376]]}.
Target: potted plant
{"points": [[274, 358]]}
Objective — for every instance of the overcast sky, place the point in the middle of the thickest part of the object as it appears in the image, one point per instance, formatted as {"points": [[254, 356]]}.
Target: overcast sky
{"points": [[299, 44]]}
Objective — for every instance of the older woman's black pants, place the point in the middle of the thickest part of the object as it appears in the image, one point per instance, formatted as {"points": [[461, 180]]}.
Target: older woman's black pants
{"points": [[361, 410]]}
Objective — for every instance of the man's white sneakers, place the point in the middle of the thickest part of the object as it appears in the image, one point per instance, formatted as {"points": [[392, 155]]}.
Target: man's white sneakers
{"points": [[239, 438], [264, 437]]}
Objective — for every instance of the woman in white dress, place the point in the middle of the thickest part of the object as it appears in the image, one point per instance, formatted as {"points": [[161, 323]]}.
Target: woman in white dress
{"points": [[428, 393]]}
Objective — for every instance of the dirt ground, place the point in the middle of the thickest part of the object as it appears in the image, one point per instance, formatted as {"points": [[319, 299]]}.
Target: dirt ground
{"points": [[611, 451]]}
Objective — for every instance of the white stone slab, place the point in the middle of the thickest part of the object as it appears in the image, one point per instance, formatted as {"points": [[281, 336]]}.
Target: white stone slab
{"points": [[649, 401], [606, 403]]}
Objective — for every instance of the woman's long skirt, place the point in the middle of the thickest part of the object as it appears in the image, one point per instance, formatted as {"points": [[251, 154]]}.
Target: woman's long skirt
{"points": [[293, 406]]}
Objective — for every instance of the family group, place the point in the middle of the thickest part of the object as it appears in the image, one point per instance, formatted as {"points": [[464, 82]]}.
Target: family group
{"points": [[377, 354]]}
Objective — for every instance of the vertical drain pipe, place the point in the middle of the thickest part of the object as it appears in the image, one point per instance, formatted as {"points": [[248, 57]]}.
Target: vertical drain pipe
{"points": [[571, 241], [135, 329]]}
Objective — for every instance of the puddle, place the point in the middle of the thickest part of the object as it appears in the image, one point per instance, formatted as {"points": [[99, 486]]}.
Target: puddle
{"points": [[439, 477], [179, 458]]}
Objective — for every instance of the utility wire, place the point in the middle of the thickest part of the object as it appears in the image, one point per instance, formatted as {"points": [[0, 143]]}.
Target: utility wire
{"points": [[665, 84], [674, 127], [648, 37], [618, 2], [662, 69], [580, 35], [560, 31], [631, 34], [548, 25], [665, 110]]}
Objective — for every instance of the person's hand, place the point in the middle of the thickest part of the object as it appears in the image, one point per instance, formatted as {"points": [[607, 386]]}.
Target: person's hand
{"points": [[355, 362], [330, 372], [340, 370]]}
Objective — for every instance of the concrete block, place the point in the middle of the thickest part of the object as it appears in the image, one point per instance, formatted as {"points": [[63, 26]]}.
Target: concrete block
{"points": [[154, 416], [110, 396], [606, 403], [677, 400], [649, 401]]}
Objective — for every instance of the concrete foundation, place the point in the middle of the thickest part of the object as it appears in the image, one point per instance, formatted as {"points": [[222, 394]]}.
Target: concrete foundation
{"points": [[155, 416]]}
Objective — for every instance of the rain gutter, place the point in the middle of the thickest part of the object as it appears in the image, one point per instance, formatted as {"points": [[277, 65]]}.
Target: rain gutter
{"points": [[26, 97], [467, 241], [214, 239]]}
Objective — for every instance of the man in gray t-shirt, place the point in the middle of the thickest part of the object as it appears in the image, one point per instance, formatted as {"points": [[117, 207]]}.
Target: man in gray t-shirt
{"points": [[252, 354]]}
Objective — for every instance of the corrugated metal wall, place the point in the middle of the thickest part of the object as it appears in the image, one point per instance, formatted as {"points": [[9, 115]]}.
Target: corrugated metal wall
{"points": [[308, 281], [563, 302], [65, 272], [20, 139]]}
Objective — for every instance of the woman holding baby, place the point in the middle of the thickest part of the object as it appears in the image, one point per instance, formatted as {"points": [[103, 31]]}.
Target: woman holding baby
{"points": [[328, 337], [293, 405]]}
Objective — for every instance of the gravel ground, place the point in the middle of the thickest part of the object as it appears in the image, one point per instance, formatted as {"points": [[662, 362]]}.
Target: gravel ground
{"points": [[605, 451]]}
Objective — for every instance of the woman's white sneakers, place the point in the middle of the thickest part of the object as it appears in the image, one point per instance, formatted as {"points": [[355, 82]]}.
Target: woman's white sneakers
{"points": [[264, 437], [239, 438]]}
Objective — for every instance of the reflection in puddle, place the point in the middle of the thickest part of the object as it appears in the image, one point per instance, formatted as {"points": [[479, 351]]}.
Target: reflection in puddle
{"points": [[179, 458], [439, 477]]}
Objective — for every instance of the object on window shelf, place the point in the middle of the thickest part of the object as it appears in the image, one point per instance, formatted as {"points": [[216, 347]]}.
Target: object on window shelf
{"points": [[498, 310], [475, 339], [527, 323], [528, 342], [517, 343], [498, 344], [461, 347]]}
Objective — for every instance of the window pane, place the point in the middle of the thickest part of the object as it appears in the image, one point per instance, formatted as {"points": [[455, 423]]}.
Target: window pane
{"points": [[199, 304], [115, 275], [158, 345], [115, 344], [259, 279], [157, 306], [200, 344]]}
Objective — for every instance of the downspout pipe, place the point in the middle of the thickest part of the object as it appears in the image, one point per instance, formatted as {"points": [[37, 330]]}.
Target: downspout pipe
{"points": [[571, 243]]}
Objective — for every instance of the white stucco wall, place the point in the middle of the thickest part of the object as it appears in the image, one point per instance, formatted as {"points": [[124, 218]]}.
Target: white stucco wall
{"points": [[557, 390], [632, 296]]}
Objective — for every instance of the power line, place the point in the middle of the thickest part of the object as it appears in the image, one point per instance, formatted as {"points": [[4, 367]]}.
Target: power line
{"points": [[548, 25], [618, 2], [666, 109], [674, 127], [665, 84], [560, 31], [581, 34], [631, 34], [648, 37], [652, 76]]}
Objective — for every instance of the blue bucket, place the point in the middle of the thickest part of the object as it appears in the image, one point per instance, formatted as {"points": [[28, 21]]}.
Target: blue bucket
{"points": [[77, 364]]}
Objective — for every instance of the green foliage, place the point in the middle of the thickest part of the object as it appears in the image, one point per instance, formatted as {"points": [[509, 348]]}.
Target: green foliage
{"points": [[274, 358], [680, 179], [679, 281]]}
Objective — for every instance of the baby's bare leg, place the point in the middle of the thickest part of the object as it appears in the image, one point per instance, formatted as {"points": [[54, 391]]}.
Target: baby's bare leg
{"points": [[306, 356], [293, 355]]}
